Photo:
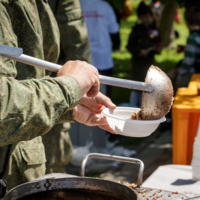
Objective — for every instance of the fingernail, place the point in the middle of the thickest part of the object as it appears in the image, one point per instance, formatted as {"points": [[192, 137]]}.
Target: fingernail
{"points": [[112, 104]]}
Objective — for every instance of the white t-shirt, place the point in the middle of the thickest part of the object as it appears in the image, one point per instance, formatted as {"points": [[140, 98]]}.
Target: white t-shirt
{"points": [[100, 20]]}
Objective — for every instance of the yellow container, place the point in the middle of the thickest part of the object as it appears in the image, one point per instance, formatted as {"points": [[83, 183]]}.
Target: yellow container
{"points": [[185, 115]]}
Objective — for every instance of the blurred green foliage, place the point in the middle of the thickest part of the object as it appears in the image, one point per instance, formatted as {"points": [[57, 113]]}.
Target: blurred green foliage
{"points": [[167, 60]]}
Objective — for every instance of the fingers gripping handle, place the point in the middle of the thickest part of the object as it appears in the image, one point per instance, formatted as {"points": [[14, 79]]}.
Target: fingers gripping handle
{"points": [[115, 158]]}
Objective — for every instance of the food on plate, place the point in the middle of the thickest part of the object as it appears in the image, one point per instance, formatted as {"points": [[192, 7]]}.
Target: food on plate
{"points": [[136, 115]]}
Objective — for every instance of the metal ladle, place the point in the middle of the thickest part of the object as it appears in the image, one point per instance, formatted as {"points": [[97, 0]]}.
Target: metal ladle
{"points": [[157, 89], [157, 103]]}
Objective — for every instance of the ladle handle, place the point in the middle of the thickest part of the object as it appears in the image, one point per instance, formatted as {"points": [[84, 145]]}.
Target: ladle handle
{"points": [[103, 79], [115, 158]]}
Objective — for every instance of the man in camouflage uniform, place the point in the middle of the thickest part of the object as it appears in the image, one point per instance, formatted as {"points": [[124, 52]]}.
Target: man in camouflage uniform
{"points": [[74, 46], [31, 102]]}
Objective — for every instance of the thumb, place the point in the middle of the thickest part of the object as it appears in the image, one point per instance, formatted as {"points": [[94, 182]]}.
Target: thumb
{"points": [[96, 120]]}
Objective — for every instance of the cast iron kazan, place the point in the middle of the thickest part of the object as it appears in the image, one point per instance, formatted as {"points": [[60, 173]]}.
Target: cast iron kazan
{"points": [[52, 187]]}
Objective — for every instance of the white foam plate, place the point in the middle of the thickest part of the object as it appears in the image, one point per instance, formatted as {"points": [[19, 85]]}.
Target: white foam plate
{"points": [[119, 121]]}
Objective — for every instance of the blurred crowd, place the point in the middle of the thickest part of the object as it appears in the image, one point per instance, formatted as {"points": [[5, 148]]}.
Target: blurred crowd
{"points": [[147, 38], [153, 31]]}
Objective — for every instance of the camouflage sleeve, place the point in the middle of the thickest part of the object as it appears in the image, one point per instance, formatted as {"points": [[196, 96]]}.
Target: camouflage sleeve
{"points": [[30, 108], [73, 31]]}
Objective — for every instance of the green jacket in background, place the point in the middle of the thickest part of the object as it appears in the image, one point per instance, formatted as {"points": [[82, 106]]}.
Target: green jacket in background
{"points": [[74, 41], [31, 103], [74, 46]]}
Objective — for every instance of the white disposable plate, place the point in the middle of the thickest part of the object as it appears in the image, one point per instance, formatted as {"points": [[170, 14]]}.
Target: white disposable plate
{"points": [[119, 121]]}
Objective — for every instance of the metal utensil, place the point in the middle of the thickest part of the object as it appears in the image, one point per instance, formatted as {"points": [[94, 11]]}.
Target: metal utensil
{"points": [[157, 89], [12, 51], [6, 51], [115, 158], [157, 103]]}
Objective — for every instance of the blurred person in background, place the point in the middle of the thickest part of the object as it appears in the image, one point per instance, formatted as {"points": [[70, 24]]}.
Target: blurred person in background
{"points": [[191, 62], [74, 45], [143, 44], [103, 30]]}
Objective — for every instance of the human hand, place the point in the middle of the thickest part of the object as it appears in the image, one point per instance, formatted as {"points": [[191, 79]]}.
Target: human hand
{"points": [[144, 52], [86, 75], [88, 111]]}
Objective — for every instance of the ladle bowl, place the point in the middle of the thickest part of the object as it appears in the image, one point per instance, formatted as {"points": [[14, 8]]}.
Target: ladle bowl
{"points": [[157, 103]]}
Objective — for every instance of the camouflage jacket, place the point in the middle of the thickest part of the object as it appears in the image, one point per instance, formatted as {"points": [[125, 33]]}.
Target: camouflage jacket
{"points": [[31, 102]]}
